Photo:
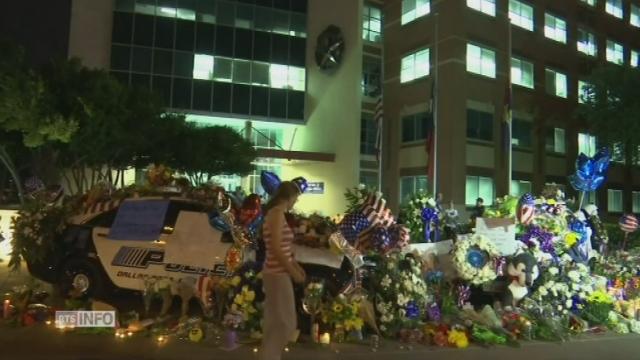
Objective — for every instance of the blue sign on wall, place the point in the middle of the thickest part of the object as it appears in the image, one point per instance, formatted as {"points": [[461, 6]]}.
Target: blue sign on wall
{"points": [[139, 220], [315, 188]]}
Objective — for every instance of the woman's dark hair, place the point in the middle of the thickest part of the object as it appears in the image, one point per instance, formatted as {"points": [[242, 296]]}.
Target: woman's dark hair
{"points": [[286, 191]]}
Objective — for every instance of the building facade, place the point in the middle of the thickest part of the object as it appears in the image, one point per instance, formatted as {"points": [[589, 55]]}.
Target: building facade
{"points": [[476, 49], [246, 64]]}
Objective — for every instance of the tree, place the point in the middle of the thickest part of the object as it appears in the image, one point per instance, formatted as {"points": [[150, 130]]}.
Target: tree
{"points": [[25, 109], [203, 152], [612, 106]]}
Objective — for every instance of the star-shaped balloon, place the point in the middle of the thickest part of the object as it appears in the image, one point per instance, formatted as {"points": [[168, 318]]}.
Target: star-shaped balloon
{"points": [[269, 181], [590, 172]]}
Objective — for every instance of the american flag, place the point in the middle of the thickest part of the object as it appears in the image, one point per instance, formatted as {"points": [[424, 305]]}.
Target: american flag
{"points": [[376, 211], [628, 223], [378, 117], [430, 132]]}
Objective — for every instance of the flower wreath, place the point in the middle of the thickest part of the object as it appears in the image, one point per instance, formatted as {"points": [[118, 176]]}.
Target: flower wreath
{"points": [[475, 259]]}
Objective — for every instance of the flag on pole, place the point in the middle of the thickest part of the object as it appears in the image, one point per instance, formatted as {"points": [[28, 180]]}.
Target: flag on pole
{"points": [[506, 121], [430, 133], [377, 117]]}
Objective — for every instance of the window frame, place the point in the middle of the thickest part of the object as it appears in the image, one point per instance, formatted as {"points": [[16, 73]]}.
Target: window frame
{"points": [[553, 32], [491, 74], [615, 54], [612, 196], [488, 200], [412, 58], [612, 9], [520, 24], [556, 73], [481, 7], [425, 10], [590, 48], [522, 62]]}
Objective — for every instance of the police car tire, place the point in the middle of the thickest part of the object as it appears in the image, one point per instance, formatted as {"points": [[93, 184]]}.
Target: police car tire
{"points": [[74, 267]]}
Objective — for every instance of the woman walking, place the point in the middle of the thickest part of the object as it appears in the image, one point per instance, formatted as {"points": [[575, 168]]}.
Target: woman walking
{"points": [[278, 271]]}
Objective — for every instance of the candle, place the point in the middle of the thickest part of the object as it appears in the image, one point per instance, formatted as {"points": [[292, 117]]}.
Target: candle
{"points": [[325, 339], [6, 308]]}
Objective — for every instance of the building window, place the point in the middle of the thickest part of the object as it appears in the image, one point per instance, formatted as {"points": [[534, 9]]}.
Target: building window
{"points": [[520, 187], [372, 24], [287, 77], [587, 42], [615, 52], [555, 141], [555, 28], [479, 187], [591, 197], [614, 200], [369, 179], [521, 133], [415, 66], [521, 14], [586, 144], [635, 197], [486, 6], [413, 9], [371, 77], [634, 19], [583, 91], [634, 58], [522, 73], [617, 153], [589, 2], [410, 185], [267, 138], [479, 125], [481, 61], [414, 127], [556, 83], [614, 7], [203, 67], [368, 134]]}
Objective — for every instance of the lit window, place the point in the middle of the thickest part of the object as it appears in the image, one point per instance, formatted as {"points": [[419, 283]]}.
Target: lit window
{"points": [[587, 42], [415, 66], [586, 144], [486, 6], [589, 2], [186, 14], [410, 185], [202, 67], [555, 28], [634, 19], [522, 73], [555, 141], [481, 61], [520, 187], [413, 9], [617, 153], [634, 59], [583, 94], [287, 77], [615, 52], [479, 187], [635, 196], [614, 7], [371, 24], [521, 14], [222, 69], [614, 200], [556, 83]]}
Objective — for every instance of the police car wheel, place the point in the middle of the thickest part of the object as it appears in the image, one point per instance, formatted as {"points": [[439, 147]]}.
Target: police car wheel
{"points": [[83, 276]]}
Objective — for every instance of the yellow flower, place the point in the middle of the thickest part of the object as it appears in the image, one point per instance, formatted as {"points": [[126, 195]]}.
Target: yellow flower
{"points": [[337, 308], [235, 281], [551, 201], [249, 296], [600, 296], [238, 299], [458, 338], [571, 239]]}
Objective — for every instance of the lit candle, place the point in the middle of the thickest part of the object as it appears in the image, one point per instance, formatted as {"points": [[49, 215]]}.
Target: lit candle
{"points": [[5, 308], [325, 339]]}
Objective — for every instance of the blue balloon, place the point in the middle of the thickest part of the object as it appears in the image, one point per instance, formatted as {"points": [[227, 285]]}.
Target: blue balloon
{"points": [[269, 181], [477, 258], [219, 224], [590, 172], [579, 227], [602, 160], [301, 183]]}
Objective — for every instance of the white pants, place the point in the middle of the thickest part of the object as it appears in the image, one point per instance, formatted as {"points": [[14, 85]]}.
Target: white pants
{"points": [[279, 315]]}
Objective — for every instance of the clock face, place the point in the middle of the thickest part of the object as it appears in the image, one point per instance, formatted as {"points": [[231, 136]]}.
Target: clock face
{"points": [[330, 48]]}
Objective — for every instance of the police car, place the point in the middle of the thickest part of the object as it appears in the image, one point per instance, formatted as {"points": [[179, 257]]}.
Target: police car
{"points": [[123, 244]]}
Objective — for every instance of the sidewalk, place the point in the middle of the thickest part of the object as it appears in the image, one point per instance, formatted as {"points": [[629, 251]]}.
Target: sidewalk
{"points": [[40, 342]]}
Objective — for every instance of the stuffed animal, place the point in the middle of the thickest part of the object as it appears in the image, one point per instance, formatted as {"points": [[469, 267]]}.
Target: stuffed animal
{"points": [[523, 270], [599, 237]]}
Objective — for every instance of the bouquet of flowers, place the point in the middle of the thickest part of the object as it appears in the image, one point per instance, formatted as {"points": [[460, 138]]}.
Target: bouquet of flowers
{"points": [[356, 197], [344, 313], [313, 231], [420, 214], [566, 290], [232, 321], [245, 297], [504, 207], [401, 297], [597, 308], [475, 259]]}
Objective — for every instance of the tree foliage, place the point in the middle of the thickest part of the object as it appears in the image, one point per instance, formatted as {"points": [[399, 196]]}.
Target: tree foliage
{"points": [[612, 106]]}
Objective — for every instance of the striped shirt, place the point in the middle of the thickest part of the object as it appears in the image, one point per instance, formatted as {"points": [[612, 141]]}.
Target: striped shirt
{"points": [[271, 263]]}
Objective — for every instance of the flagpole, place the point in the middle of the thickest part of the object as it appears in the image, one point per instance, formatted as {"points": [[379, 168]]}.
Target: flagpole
{"points": [[380, 127], [434, 111], [510, 125]]}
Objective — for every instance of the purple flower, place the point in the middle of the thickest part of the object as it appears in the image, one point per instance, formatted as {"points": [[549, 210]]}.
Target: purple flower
{"points": [[413, 312], [545, 239]]}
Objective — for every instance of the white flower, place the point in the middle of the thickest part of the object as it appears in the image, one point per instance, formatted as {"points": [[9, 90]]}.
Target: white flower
{"points": [[543, 291], [559, 307], [361, 187], [573, 275], [386, 281], [568, 303], [402, 300], [553, 270], [431, 202]]}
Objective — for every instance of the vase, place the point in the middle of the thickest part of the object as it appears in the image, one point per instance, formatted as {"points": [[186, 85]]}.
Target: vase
{"points": [[355, 335], [230, 339], [315, 333]]}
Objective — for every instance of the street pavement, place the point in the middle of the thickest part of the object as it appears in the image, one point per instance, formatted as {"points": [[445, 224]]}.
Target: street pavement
{"points": [[42, 342]]}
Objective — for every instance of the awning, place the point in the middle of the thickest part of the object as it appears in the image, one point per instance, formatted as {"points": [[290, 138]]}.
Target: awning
{"points": [[296, 155]]}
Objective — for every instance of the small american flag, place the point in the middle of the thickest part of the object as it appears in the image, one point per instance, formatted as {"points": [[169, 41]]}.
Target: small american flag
{"points": [[378, 117]]}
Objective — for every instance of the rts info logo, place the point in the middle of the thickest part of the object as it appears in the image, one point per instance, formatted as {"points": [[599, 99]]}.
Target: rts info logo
{"points": [[70, 319]]}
